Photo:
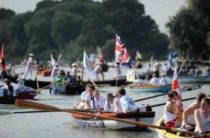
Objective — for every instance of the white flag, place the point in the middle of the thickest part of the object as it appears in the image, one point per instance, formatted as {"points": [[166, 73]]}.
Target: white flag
{"points": [[87, 64], [53, 62]]}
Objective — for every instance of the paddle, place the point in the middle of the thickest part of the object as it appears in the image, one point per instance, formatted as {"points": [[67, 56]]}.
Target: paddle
{"points": [[187, 99], [50, 108], [183, 89]]}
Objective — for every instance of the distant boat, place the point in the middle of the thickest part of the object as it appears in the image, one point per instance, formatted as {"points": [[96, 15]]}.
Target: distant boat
{"points": [[150, 88]]}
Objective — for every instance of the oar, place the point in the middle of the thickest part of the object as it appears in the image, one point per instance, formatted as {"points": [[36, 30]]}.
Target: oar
{"points": [[183, 89], [187, 99], [29, 104]]}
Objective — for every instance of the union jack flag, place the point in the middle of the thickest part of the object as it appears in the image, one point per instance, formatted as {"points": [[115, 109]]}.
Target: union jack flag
{"points": [[121, 53]]}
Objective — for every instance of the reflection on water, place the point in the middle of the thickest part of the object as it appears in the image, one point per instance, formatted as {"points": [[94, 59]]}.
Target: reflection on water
{"points": [[47, 124]]}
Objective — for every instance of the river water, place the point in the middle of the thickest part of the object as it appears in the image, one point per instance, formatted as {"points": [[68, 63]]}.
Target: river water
{"points": [[61, 125]]}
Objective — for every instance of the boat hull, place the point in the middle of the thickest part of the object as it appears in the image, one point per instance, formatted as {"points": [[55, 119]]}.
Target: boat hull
{"points": [[164, 133], [166, 88], [195, 79], [92, 122]]}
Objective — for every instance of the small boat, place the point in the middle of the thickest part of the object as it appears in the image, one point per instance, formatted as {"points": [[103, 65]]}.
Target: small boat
{"points": [[165, 134], [195, 79], [46, 84], [112, 82], [94, 122], [150, 88], [176, 133], [8, 99]]}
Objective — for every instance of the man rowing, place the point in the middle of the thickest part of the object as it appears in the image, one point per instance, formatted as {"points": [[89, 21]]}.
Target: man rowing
{"points": [[188, 122]]}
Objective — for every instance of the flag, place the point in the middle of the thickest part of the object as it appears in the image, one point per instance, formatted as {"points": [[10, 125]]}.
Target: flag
{"points": [[121, 53], [176, 87], [53, 62], [87, 64], [2, 58]]}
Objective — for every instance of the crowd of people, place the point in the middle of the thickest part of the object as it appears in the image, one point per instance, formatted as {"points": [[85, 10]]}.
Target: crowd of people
{"points": [[121, 102], [196, 117]]}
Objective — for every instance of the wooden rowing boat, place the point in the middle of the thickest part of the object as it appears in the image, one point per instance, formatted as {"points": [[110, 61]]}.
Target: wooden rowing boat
{"points": [[165, 134], [93, 122], [150, 88], [162, 133]]}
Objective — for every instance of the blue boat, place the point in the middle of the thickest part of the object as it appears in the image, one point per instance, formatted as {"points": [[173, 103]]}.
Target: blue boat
{"points": [[195, 79], [150, 88]]}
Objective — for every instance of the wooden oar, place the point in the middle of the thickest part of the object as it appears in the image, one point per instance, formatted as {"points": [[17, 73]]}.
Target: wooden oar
{"points": [[183, 89], [187, 99], [50, 108]]}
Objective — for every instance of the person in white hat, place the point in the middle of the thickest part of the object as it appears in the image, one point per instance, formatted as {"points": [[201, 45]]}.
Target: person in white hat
{"points": [[74, 70], [29, 67]]}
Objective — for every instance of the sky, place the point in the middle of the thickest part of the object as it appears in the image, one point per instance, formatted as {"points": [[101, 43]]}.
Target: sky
{"points": [[159, 10]]}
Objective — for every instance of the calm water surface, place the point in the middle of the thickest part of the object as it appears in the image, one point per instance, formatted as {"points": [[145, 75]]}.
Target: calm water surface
{"points": [[61, 125]]}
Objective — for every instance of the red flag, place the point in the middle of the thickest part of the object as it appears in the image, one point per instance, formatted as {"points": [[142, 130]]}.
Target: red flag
{"points": [[2, 58], [121, 52], [176, 87]]}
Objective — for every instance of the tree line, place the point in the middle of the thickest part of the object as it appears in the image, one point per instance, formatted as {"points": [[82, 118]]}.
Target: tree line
{"points": [[190, 30], [72, 26]]}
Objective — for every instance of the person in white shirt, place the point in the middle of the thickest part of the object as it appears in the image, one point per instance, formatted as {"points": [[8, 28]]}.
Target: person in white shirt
{"points": [[188, 122], [163, 80], [202, 117], [138, 80], [82, 102], [29, 67], [89, 98], [116, 103], [55, 72], [22, 88], [109, 104], [154, 80], [74, 70], [149, 68], [127, 103], [165, 68], [98, 71], [98, 102]]}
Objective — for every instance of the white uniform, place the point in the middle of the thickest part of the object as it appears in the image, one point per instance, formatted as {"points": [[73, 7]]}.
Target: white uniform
{"points": [[163, 81], [98, 70], [81, 104], [154, 81], [127, 103], [168, 116], [108, 106], [117, 105], [29, 68], [99, 104]]}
